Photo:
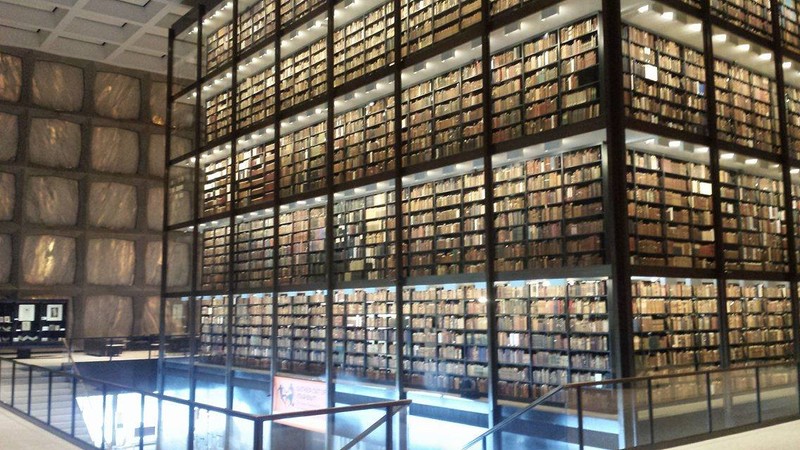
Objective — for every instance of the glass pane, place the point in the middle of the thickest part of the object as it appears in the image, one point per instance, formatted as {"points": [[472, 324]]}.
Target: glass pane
{"points": [[175, 434], [667, 392], [734, 400], [21, 388], [179, 260], [209, 429], [778, 392], [5, 381]]}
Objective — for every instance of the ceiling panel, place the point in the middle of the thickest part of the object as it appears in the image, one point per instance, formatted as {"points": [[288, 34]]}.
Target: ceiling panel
{"points": [[126, 33]]}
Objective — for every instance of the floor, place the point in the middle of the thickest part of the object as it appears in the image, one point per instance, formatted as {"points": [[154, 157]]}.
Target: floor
{"points": [[19, 434], [777, 437]]}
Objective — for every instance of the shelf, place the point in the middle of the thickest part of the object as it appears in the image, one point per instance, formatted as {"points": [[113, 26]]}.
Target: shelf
{"points": [[759, 321], [676, 323]]}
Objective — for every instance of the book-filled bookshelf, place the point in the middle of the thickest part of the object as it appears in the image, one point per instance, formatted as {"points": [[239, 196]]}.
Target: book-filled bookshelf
{"points": [[665, 81], [395, 200], [546, 82], [549, 212], [670, 211]]}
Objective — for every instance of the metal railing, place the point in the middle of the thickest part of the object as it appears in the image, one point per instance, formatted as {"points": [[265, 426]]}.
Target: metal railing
{"points": [[53, 399], [651, 411]]}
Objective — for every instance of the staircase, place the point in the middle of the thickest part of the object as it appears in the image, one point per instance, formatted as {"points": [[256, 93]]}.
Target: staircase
{"points": [[60, 405]]}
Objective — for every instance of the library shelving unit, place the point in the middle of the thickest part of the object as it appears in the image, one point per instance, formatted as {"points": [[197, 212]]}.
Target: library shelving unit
{"points": [[471, 202]]}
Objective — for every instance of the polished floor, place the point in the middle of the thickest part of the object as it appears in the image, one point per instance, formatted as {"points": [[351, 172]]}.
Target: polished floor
{"points": [[777, 437], [19, 434]]}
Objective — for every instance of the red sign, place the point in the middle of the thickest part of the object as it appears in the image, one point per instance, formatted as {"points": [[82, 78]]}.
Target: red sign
{"points": [[296, 394]]}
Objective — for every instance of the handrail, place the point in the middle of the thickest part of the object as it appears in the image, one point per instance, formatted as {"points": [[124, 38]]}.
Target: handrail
{"points": [[647, 378], [514, 416], [677, 375], [217, 409]]}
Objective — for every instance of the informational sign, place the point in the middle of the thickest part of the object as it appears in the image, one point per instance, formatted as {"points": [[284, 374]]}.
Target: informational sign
{"points": [[296, 394]]}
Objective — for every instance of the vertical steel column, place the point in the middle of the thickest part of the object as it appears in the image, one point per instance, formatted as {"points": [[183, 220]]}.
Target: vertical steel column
{"points": [[488, 217], [719, 247], [162, 304], [276, 204], [617, 247], [786, 162], [330, 235], [229, 378], [398, 205], [201, 11]]}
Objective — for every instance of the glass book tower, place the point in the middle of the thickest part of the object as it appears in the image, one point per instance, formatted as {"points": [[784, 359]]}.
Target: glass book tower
{"points": [[470, 202]]}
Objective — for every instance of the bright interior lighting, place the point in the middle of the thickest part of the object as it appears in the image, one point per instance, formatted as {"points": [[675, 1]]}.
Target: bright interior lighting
{"points": [[751, 161], [674, 144], [668, 15], [721, 37], [644, 9], [727, 156]]}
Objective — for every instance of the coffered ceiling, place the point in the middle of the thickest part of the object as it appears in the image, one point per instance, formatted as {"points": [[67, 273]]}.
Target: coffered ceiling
{"points": [[126, 33]]}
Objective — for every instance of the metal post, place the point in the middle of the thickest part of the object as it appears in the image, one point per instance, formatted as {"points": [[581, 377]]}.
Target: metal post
{"points": [[650, 410], [708, 402], [49, 395], [579, 408], [758, 394], [74, 405], [30, 381], [103, 427], [141, 423], [258, 434], [389, 431], [13, 380]]}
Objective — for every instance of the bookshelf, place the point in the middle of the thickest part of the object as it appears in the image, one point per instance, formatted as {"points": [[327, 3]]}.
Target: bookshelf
{"points": [[549, 212], [254, 250], [365, 334], [795, 181], [252, 331], [213, 329], [303, 74], [446, 340], [364, 227], [753, 216], [255, 98], [364, 45], [255, 176], [257, 22], [301, 244], [426, 22], [300, 332], [215, 256], [670, 211], [746, 107], [29, 322], [443, 226], [364, 141], [292, 11], [675, 325], [416, 156], [216, 187], [302, 161], [550, 333], [754, 16], [546, 82], [793, 119], [790, 24], [759, 321], [664, 81], [443, 116]]}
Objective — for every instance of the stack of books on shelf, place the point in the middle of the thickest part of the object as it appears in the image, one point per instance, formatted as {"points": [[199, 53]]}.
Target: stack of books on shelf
{"points": [[759, 321], [443, 226], [364, 238], [550, 333], [670, 212], [364, 46], [675, 326], [302, 161], [443, 116], [364, 141], [365, 334], [665, 81], [546, 82], [753, 221], [301, 247], [446, 339], [549, 212], [300, 335], [214, 273], [425, 22], [254, 257]]}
